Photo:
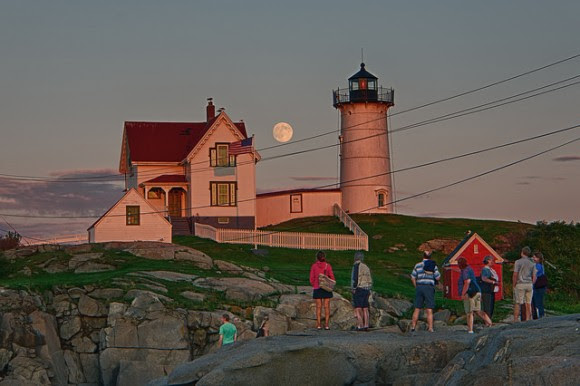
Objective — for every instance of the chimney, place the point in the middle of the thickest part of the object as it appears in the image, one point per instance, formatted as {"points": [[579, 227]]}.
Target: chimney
{"points": [[210, 109]]}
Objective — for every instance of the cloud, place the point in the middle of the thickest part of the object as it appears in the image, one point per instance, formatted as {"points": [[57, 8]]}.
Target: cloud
{"points": [[567, 158], [84, 196], [523, 183], [313, 178]]}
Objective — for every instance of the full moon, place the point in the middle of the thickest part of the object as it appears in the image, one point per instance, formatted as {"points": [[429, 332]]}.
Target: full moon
{"points": [[282, 132]]}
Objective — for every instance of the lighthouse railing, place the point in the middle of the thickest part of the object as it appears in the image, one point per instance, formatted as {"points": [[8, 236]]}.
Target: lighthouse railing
{"points": [[351, 224]]}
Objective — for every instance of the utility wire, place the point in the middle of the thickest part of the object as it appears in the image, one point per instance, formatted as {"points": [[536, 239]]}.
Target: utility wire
{"points": [[449, 116], [455, 183], [353, 180]]}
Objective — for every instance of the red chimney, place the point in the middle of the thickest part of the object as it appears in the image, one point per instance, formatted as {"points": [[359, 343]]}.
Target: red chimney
{"points": [[210, 109]]}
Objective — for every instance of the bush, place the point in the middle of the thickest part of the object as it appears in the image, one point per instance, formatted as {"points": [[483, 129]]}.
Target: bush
{"points": [[10, 240], [560, 244]]}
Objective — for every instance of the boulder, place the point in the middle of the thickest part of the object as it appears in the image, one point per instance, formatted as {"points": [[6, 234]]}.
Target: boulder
{"points": [[395, 307], [199, 259], [78, 260], [236, 288], [193, 296], [28, 372], [88, 306], [75, 370], [70, 327], [51, 352], [442, 315], [107, 293], [169, 275], [228, 267], [445, 246], [94, 267], [5, 356]]}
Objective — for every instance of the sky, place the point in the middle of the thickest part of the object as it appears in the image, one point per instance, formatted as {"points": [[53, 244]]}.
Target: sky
{"points": [[71, 72]]}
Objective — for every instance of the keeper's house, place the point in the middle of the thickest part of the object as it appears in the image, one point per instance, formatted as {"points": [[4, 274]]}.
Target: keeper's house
{"points": [[184, 172]]}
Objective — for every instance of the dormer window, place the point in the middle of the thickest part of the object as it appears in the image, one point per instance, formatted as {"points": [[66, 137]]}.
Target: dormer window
{"points": [[219, 156]]}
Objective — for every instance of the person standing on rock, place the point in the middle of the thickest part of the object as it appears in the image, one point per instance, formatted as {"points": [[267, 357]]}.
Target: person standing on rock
{"points": [[320, 295], [522, 281], [470, 292], [489, 284], [362, 283], [228, 332], [424, 277], [540, 286]]}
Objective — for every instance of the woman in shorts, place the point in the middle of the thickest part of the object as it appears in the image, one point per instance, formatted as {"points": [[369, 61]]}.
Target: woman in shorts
{"points": [[320, 295]]}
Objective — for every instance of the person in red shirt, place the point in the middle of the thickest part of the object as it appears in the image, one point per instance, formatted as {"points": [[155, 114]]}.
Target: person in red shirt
{"points": [[320, 295]]}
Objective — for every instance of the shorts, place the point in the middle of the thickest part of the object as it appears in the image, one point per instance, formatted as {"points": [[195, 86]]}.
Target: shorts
{"points": [[472, 304], [523, 293], [361, 298], [319, 293], [424, 296]]}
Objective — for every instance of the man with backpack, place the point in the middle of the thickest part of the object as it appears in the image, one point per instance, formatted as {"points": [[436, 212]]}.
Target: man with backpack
{"points": [[425, 276]]}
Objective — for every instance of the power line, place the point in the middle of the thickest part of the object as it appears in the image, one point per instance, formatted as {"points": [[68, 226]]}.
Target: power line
{"points": [[463, 180], [353, 180], [489, 85], [460, 113]]}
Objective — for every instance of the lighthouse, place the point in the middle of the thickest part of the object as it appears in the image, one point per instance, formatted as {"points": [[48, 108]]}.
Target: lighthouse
{"points": [[365, 163]]}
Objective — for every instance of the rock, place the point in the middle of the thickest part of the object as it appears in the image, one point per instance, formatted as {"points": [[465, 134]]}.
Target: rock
{"points": [[90, 365], [111, 358], [5, 356], [396, 307], [237, 288], [12, 254], [45, 325], [144, 303], [84, 345], [193, 296], [116, 310], [156, 288], [78, 260], [138, 372], [169, 275], [442, 315], [70, 327], [134, 294], [199, 259], [107, 293], [377, 237], [335, 357], [443, 245], [166, 332], [90, 307], [80, 248], [28, 372], [94, 267], [277, 321], [76, 293], [75, 371], [228, 267]]}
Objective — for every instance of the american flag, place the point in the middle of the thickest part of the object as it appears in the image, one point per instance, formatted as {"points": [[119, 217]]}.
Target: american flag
{"points": [[241, 147]]}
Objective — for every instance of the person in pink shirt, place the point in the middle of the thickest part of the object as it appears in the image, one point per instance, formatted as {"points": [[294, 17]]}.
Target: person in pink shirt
{"points": [[320, 295]]}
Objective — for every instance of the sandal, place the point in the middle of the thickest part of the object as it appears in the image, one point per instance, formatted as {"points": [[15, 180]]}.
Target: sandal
{"points": [[327, 328]]}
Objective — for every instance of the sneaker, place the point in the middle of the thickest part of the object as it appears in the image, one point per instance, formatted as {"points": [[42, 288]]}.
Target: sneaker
{"points": [[470, 332], [412, 330]]}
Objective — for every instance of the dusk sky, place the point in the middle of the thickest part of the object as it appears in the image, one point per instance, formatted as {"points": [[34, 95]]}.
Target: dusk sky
{"points": [[71, 72]]}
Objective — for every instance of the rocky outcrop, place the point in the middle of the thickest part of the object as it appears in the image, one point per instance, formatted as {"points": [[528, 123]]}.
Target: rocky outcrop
{"points": [[540, 352]]}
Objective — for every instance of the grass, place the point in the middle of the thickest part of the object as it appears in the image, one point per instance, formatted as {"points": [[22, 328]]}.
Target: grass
{"points": [[390, 267]]}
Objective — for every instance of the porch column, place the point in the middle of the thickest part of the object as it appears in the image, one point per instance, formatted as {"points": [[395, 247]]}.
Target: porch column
{"points": [[166, 208]]}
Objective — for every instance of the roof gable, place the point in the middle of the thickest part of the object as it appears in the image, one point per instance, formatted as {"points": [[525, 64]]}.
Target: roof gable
{"points": [[221, 120], [164, 141], [451, 259], [131, 192]]}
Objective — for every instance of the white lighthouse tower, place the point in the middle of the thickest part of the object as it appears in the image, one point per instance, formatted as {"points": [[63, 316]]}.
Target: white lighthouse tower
{"points": [[365, 163]]}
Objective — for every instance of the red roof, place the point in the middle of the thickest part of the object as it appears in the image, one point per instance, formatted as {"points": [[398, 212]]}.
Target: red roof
{"points": [[167, 178], [166, 141]]}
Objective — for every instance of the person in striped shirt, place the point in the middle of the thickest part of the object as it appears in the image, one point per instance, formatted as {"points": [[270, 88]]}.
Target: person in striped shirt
{"points": [[424, 277]]}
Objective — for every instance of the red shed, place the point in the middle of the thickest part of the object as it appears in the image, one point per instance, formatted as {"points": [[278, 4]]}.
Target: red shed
{"points": [[474, 249]]}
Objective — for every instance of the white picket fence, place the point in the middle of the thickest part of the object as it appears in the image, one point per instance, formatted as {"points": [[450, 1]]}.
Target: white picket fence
{"points": [[66, 239], [296, 240]]}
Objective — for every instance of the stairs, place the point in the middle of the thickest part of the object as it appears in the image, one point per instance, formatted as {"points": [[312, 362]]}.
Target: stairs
{"points": [[180, 226]]}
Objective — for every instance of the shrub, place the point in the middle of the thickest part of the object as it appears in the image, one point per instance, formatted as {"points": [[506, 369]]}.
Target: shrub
{"points": [[10, 240]]}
